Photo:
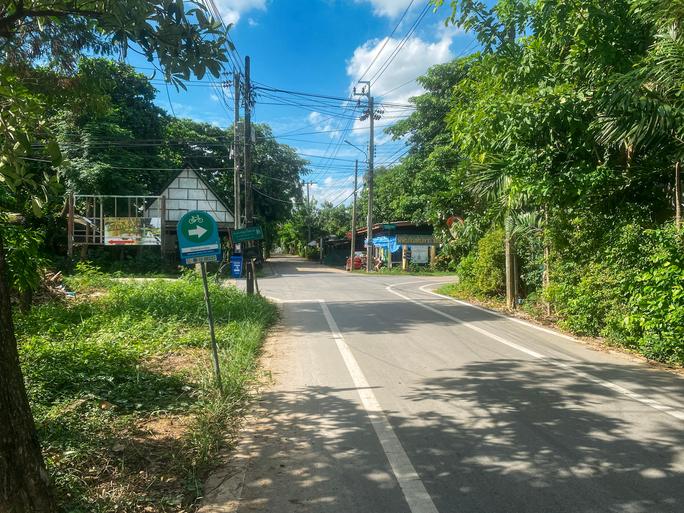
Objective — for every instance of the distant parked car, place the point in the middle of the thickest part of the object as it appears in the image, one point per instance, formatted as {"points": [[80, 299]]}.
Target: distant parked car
{"points": [[359, 259]]}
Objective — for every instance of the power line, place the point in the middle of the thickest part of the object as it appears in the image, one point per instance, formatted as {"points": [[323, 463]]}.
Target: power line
{"points": [[384, 44], [289, 202], [400, 46], [264, 87]]}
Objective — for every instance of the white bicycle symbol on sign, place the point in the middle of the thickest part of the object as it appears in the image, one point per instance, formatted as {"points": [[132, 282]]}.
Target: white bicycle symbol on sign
{"points": [[196, 219]]}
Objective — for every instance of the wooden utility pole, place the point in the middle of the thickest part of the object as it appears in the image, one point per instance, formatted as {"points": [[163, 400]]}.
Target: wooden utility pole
{"points": [[249, 207], [353, 225], [236, 150]]}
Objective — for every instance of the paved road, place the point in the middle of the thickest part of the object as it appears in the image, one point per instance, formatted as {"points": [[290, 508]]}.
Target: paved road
{"points": [[390, 399]]}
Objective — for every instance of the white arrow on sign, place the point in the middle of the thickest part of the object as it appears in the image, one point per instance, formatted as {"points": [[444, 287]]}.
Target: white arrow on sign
{"points": [[197, 232]]}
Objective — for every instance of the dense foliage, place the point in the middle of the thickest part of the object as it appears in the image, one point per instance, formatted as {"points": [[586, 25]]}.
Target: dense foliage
{"points": [[567, 130], [308, 223]]}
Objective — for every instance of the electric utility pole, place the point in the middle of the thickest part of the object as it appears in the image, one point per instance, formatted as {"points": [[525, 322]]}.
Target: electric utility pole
{"points": [[353, 224], [236, 150], [308, 207], [249, 207], [373, 116]]}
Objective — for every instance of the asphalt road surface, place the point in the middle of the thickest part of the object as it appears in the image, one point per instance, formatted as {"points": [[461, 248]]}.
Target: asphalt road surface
{"points": [[390, 399]]}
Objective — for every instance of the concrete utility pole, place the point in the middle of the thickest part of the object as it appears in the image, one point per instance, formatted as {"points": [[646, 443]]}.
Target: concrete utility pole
{"points": [[249, 207], [236, 146], [308, 207], [372, 116], [353, 225]]}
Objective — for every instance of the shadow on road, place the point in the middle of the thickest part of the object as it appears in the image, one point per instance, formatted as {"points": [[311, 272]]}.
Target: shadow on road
{"points": [[510, 440], [539, 439]]}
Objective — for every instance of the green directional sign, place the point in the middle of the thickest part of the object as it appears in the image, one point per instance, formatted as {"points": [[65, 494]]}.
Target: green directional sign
{"points": [[198, 238], [245, 234], [389, 226]]}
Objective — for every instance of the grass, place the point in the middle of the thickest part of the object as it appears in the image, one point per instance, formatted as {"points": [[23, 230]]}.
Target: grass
{"points": [[123, 393], [460, 291]]}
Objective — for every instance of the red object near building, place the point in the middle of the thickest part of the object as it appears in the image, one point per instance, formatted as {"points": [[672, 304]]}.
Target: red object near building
{"points": [[358, 261]]}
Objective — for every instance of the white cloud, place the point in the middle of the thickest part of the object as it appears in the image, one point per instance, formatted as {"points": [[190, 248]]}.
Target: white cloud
{"points": [[335, 190], [231, 10], [390, 8], [413, 60], [213, 97], [323, 123], [252, 22]]}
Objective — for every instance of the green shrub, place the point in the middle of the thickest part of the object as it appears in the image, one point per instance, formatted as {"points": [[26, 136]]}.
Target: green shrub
{"points": [[24, 256], [489, 268], [586, 300], [631, 292], [465, 272], [482, 272], [87, 277], [655, 319]]}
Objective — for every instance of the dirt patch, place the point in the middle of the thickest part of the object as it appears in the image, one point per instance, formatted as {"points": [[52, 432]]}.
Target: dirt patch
{"points": [[177, 362]]}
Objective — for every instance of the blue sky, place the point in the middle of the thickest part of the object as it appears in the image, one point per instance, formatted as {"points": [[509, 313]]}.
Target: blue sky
{"points": [[323, 47]]}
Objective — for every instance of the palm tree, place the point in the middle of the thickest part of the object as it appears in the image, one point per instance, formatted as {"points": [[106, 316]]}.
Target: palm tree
{"points": [[644, 108], [492, 181]]}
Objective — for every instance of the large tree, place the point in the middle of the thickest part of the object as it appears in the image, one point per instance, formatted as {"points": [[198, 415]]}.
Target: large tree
{"points": [[56, 34]]}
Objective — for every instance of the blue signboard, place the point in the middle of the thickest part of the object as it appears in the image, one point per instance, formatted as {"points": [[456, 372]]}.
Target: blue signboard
{"points": [[236, 266], [198, 238]]}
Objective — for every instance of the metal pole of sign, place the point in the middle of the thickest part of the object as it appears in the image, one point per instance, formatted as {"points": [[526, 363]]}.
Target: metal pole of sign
{"points": [[214, 347], [256, 283]]}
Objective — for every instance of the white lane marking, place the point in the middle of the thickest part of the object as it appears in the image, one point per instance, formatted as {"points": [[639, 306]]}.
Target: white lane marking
{"points": [[417, 497], [278, 300], [607, 384], [476, 307], [482, 331]]}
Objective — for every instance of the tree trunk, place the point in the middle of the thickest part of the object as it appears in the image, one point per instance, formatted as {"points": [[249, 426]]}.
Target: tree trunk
{"points": [[546, 275], [546, 278], [24, 482], [678, 194], [510, 267]]}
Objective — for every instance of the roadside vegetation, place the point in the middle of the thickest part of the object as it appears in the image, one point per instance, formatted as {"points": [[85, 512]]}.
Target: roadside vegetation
{"points": [[557, 149], [123, 392]]}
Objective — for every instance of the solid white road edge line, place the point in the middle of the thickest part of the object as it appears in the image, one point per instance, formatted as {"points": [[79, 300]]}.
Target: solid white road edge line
{"points": [[476, 307], [278, 300], [417, 497], [607, 384]]}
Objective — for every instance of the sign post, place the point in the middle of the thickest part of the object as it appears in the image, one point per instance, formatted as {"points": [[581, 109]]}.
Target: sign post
{"points": [[247, 235], [198, 243]]}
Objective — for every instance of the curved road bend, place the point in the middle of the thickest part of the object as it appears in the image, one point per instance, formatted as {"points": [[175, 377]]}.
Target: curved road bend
{"points": [[390, 399]]}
